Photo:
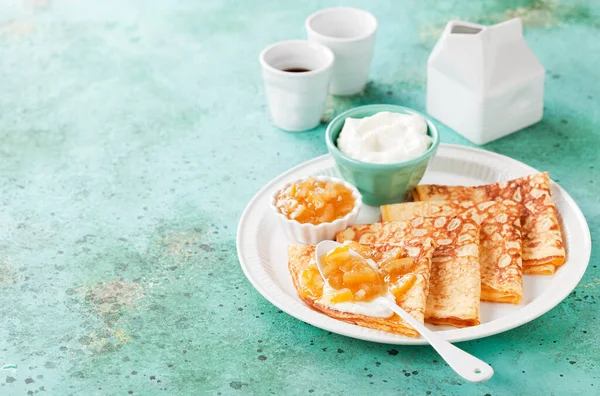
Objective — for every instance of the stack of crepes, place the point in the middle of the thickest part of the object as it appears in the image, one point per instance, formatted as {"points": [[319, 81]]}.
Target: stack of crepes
{"points": [[474, 243], [543, 249]]}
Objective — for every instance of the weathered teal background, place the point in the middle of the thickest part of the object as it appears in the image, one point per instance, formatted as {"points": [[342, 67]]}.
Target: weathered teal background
{"points": [[132, 135]]}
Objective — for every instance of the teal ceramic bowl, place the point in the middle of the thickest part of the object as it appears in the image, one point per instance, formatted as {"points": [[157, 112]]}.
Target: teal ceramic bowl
{"points": [[380, 184]]}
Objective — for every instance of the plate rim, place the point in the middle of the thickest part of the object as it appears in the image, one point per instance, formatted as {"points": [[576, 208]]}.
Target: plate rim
{"points": [[453, 335]]}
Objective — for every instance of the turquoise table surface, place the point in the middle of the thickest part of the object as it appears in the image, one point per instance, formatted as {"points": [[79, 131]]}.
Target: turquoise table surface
{"points": [[133, 134]]}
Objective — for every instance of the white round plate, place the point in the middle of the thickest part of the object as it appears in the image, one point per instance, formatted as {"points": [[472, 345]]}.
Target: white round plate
{"points": [[262, 247]]}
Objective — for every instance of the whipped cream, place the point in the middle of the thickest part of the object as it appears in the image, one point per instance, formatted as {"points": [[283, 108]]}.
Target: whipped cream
{"points": [[384, 138], [368, 308]]}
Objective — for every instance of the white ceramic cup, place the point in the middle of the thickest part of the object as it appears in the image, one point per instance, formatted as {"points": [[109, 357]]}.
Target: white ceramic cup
{"points": [[296, 100], [350, 34]]}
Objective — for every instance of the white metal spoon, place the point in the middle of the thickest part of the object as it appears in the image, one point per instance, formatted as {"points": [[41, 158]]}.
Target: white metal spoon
{"points": [[465, 365]]}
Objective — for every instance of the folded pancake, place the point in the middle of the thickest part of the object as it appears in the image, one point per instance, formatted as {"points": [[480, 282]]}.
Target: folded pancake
{"points": [[499, 241], [454, 283], [543, 248], [414, 283]]}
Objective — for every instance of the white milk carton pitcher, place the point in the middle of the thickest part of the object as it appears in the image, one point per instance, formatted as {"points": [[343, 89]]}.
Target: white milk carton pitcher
{"points": [[484, 81]]}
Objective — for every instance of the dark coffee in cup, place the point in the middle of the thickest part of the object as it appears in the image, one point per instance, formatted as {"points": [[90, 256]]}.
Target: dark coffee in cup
{"points": [[296, 70]]}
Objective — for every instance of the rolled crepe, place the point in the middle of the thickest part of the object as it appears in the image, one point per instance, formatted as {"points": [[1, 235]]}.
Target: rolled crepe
{"points": [[543, 248], [302, 265], [499, 241], [455, 282]]}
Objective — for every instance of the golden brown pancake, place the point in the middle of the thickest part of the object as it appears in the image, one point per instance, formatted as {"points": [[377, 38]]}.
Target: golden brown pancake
{"points": [[302, 260], [543, 248], [454, 283], [499, 241]]}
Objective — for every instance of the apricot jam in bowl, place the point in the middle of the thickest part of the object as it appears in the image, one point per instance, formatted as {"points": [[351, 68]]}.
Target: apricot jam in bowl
{"points": [[315, 208]]}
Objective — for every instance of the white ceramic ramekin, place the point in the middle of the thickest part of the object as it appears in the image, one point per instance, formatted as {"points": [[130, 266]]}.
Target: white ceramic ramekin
{"points": [[312, 234]]}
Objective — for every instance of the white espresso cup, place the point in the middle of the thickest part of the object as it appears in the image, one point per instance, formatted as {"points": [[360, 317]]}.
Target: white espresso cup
{"points": [[350, 34], [297, 96]]}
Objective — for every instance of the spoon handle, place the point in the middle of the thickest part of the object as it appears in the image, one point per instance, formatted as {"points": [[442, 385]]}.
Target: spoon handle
{"points": [[465, 364]]}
